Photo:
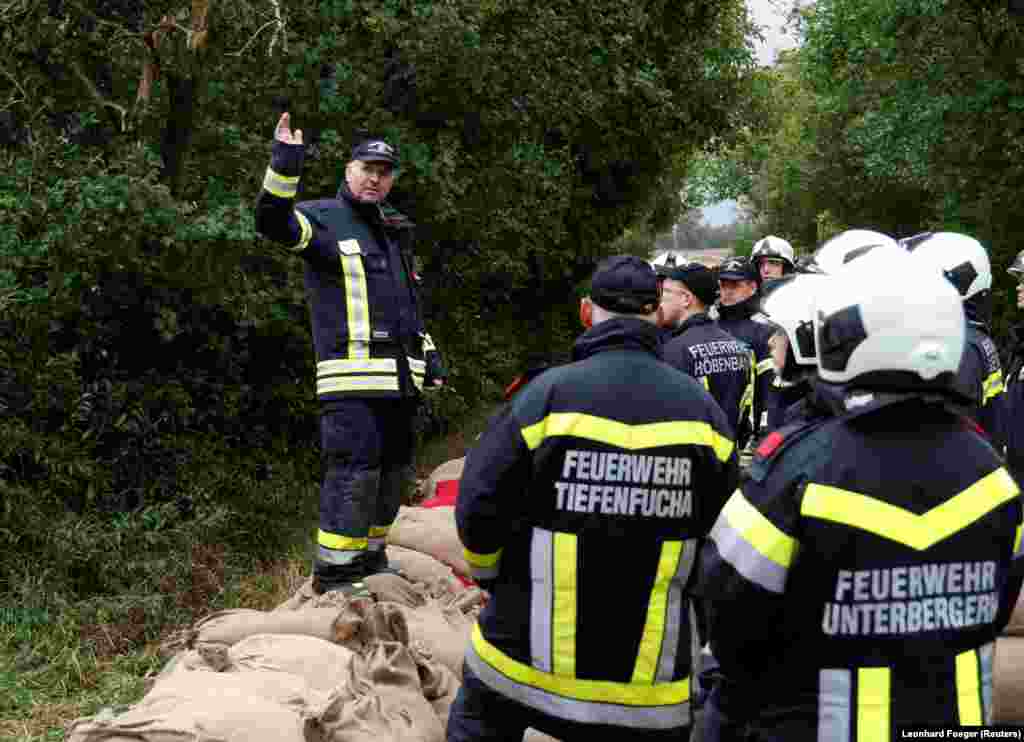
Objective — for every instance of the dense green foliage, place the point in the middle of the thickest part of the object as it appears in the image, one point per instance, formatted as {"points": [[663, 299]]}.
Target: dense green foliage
{"points": [[156, 371], [898, 115]]}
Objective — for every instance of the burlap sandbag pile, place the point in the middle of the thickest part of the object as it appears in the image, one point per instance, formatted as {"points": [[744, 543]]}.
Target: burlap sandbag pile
{"points": [[321, 668]]}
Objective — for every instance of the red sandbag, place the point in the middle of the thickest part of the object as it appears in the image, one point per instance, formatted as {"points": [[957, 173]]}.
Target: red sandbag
{"points": [[446, 494]]}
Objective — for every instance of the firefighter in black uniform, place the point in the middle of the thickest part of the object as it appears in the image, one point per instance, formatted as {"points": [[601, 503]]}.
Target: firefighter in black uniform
{"points": [[878, 548], [1015, 382], [373, 355], [737, 313], [615, 461], [698, 347], [965, 263], [787, 304]]}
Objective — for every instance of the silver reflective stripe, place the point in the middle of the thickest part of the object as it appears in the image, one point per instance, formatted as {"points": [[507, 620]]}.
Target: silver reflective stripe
{"points": [[337, 556], [986, 656], [747, 560], [357, 307], [834, 713], [675, 605], [571, 709], [484, 573], [541, 597]]}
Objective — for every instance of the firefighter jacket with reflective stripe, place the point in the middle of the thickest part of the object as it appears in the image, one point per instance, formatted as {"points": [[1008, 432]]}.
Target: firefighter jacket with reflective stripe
{"points": [[744, 322], [783, 404], [723, 364], [583, 505], [980, 377], [880, 552], [367, 328], [1015, 405]]}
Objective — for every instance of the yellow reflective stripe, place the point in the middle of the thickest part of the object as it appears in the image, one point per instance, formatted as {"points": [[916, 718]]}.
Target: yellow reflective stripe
{"points": [[379, 531], [704, 381], [623, 435], [654, 625], [919, 532], [357, 306], [428, 343], [968, 688], [602, 691], [358, 383], [758, 531], [417, 366], [359, 366], [1016, 540], [334, 541], [993, 386], [563, 619], [873, 694], [766, 365], [307, 231], [282, 186], [481, 560]]}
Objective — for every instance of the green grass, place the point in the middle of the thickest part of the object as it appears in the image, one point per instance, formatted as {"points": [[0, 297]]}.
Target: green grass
{"points": [[61, 660]]}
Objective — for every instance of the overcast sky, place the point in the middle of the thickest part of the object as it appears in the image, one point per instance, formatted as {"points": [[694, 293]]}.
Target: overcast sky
{"points": [[768, 16]]}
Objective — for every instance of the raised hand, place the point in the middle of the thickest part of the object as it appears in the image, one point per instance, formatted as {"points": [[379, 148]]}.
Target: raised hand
{"points": [[284, 133]]}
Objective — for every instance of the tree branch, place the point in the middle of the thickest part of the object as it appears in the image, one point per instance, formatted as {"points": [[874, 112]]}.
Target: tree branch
{"points": [[254, 37], [96, 95]]}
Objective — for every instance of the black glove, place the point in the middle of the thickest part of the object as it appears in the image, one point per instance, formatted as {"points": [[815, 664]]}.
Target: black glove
{"points": [[435, 368]]}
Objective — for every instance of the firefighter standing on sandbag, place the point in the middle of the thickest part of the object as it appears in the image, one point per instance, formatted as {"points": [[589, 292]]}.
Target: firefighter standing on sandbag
{"points": [[859, 578], [373, 354], [581, 509]]}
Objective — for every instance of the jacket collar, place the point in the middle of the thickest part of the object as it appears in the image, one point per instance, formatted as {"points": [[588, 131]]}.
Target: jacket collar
{"points": [[371, 212], [618, 333], [743, 310], [693, 320]]}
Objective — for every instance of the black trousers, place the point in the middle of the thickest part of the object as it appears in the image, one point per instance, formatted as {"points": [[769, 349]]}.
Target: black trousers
{"points": [[367, 447]]}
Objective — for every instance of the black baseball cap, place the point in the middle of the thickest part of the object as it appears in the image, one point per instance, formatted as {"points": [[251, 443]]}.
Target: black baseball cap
{"points": [[698, 278], [375, 150], [738, 269], [625, 284]]}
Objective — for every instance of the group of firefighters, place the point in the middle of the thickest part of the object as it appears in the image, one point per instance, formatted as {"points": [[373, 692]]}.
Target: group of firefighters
{"points": [[848, 585]]}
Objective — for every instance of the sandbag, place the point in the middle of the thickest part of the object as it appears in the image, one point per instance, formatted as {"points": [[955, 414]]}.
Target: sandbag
{"points": [[439, 684], [395, 677], [235, 717], [441, 635], [287, 689], [430, 531], [225, 628], [446, 471], [421, 567], [1008, 696], [1016, 625], [321, 664], [391, 588], [382, 701]]}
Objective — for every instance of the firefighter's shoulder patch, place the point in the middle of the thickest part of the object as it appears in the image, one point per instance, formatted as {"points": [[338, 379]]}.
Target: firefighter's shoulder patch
{"points": [[772, 447]]}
